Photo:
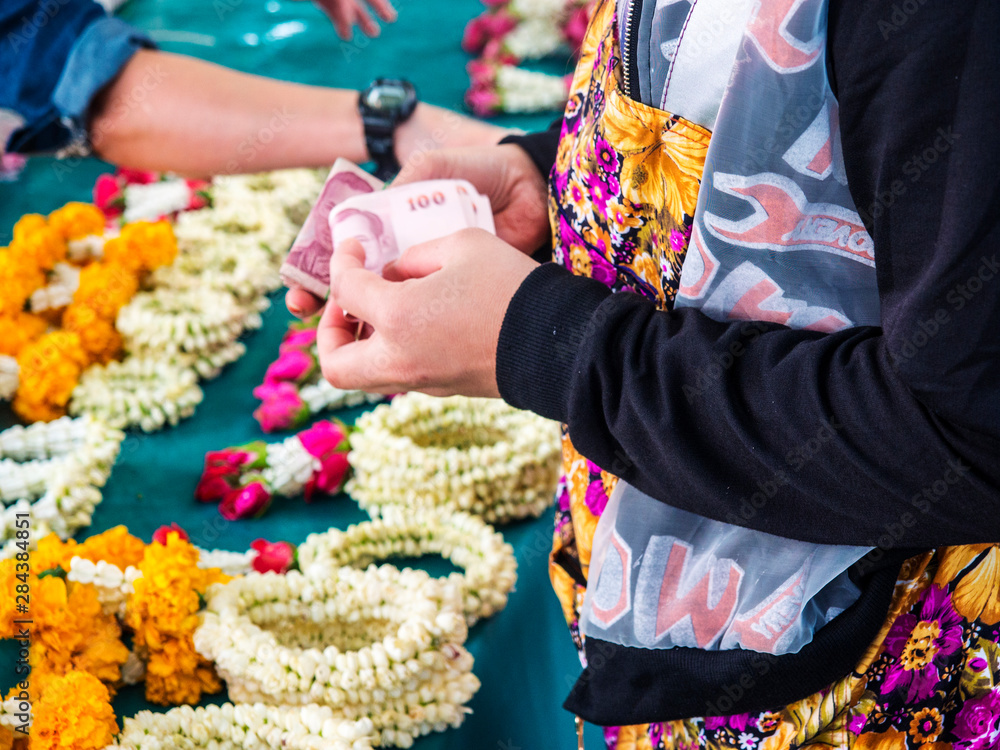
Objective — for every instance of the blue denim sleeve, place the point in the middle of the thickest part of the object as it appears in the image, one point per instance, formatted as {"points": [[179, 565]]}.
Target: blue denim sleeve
{"points": [[55, 57]]}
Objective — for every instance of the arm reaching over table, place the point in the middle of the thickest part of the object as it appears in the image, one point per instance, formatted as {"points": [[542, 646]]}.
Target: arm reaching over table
{"points": [[86, 81]]}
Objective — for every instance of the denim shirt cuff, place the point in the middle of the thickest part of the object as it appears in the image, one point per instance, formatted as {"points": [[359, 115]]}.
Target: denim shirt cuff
{"points": [[97, 57]]}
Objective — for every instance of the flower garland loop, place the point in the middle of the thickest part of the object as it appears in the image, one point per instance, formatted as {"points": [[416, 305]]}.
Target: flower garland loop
{"points": [[53, 472], [245, 726], [378, 643], [466, 540], [476, 455]]}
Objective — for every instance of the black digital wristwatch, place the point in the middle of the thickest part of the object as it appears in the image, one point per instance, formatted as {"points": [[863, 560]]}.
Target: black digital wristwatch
{"points": [[384, 105]]}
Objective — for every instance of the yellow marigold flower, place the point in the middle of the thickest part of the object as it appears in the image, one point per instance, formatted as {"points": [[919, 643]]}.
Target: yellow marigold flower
{"points": [[98, 336], [152, 242], [39, 242], [28, 225], [105, 287], [75, 713], [163, 614], [17, 330], [75, 221], [19, 277], [49, 371]]}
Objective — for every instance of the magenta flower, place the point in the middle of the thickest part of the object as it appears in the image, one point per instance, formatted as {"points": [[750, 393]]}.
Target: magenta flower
{"points": [[282, 407], [977, 725], [575, 28], [298, 339], [922, 646], [250, 501], [328, 442], [291, 364], [276, 557], [483, 101]]}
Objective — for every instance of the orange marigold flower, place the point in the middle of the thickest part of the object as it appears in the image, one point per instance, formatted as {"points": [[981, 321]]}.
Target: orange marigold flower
{"points": [[115, 546], [52, 552], [105, 287], [72, 632], [39, 242], [152, 242], [77, 220], [163, 614], [27, 225], [49, 371], [98, 336], [8, 605], [75, 713], [19, 277], [17, 330]]}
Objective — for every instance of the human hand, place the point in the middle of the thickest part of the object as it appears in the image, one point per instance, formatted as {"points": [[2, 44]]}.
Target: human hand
{"points": [[505, 174], [432, 322], [345, 13]]}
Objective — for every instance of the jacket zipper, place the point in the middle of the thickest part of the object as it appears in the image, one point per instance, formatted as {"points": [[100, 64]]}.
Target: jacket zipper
{"points": [[631, 39]]}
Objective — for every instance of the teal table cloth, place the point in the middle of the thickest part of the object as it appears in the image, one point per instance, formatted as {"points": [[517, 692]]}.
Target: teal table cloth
{"points": [[523, 656]]}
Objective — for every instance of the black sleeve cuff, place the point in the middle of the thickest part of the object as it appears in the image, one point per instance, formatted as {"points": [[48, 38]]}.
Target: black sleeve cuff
{"points": [[545, 323], [541, 147]]}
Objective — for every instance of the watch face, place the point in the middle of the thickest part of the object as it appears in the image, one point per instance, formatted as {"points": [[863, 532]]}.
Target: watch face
{"points": [[386, 97]]}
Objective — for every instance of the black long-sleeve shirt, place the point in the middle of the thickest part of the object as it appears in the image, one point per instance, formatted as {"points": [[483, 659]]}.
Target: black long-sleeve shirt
{"points": [[885, 436]]}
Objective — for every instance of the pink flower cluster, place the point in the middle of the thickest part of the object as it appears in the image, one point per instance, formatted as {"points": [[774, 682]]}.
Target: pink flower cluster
{"points": [[282, 408], [234, 477], [109, 190], [485, 37]]}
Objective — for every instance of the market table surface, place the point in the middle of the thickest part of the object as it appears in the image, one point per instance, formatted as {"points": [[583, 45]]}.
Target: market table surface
{"points": [[524, 656]]}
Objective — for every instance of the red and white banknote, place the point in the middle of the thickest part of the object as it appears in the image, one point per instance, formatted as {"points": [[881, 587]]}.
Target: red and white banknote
{"points": [[386, 222]]}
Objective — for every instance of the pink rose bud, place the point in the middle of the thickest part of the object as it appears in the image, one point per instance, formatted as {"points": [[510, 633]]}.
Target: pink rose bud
{"points": [[161, 535], [298, 339], [283, 409], [292, 364], [277, 557], [245, 502]]}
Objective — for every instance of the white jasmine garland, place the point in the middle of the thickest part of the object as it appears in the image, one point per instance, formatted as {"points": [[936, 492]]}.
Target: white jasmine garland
{"points": [[476, 455], [466, 540], [321, 396], [112, 584], [244, 727], [538, 8], [63, 283], [289, 467], [9, 377], [230, 563], [155, 199], [534, 37], [188, 320], [148, 392], [76, 456], [379, 643], [528, 90], [88, 248]]}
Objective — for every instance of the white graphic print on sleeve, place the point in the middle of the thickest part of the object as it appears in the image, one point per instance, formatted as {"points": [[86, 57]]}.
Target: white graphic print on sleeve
{"points": [[748, 293]]}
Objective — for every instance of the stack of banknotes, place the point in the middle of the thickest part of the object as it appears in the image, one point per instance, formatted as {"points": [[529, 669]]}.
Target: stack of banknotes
{"points": [[385, 220]]}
